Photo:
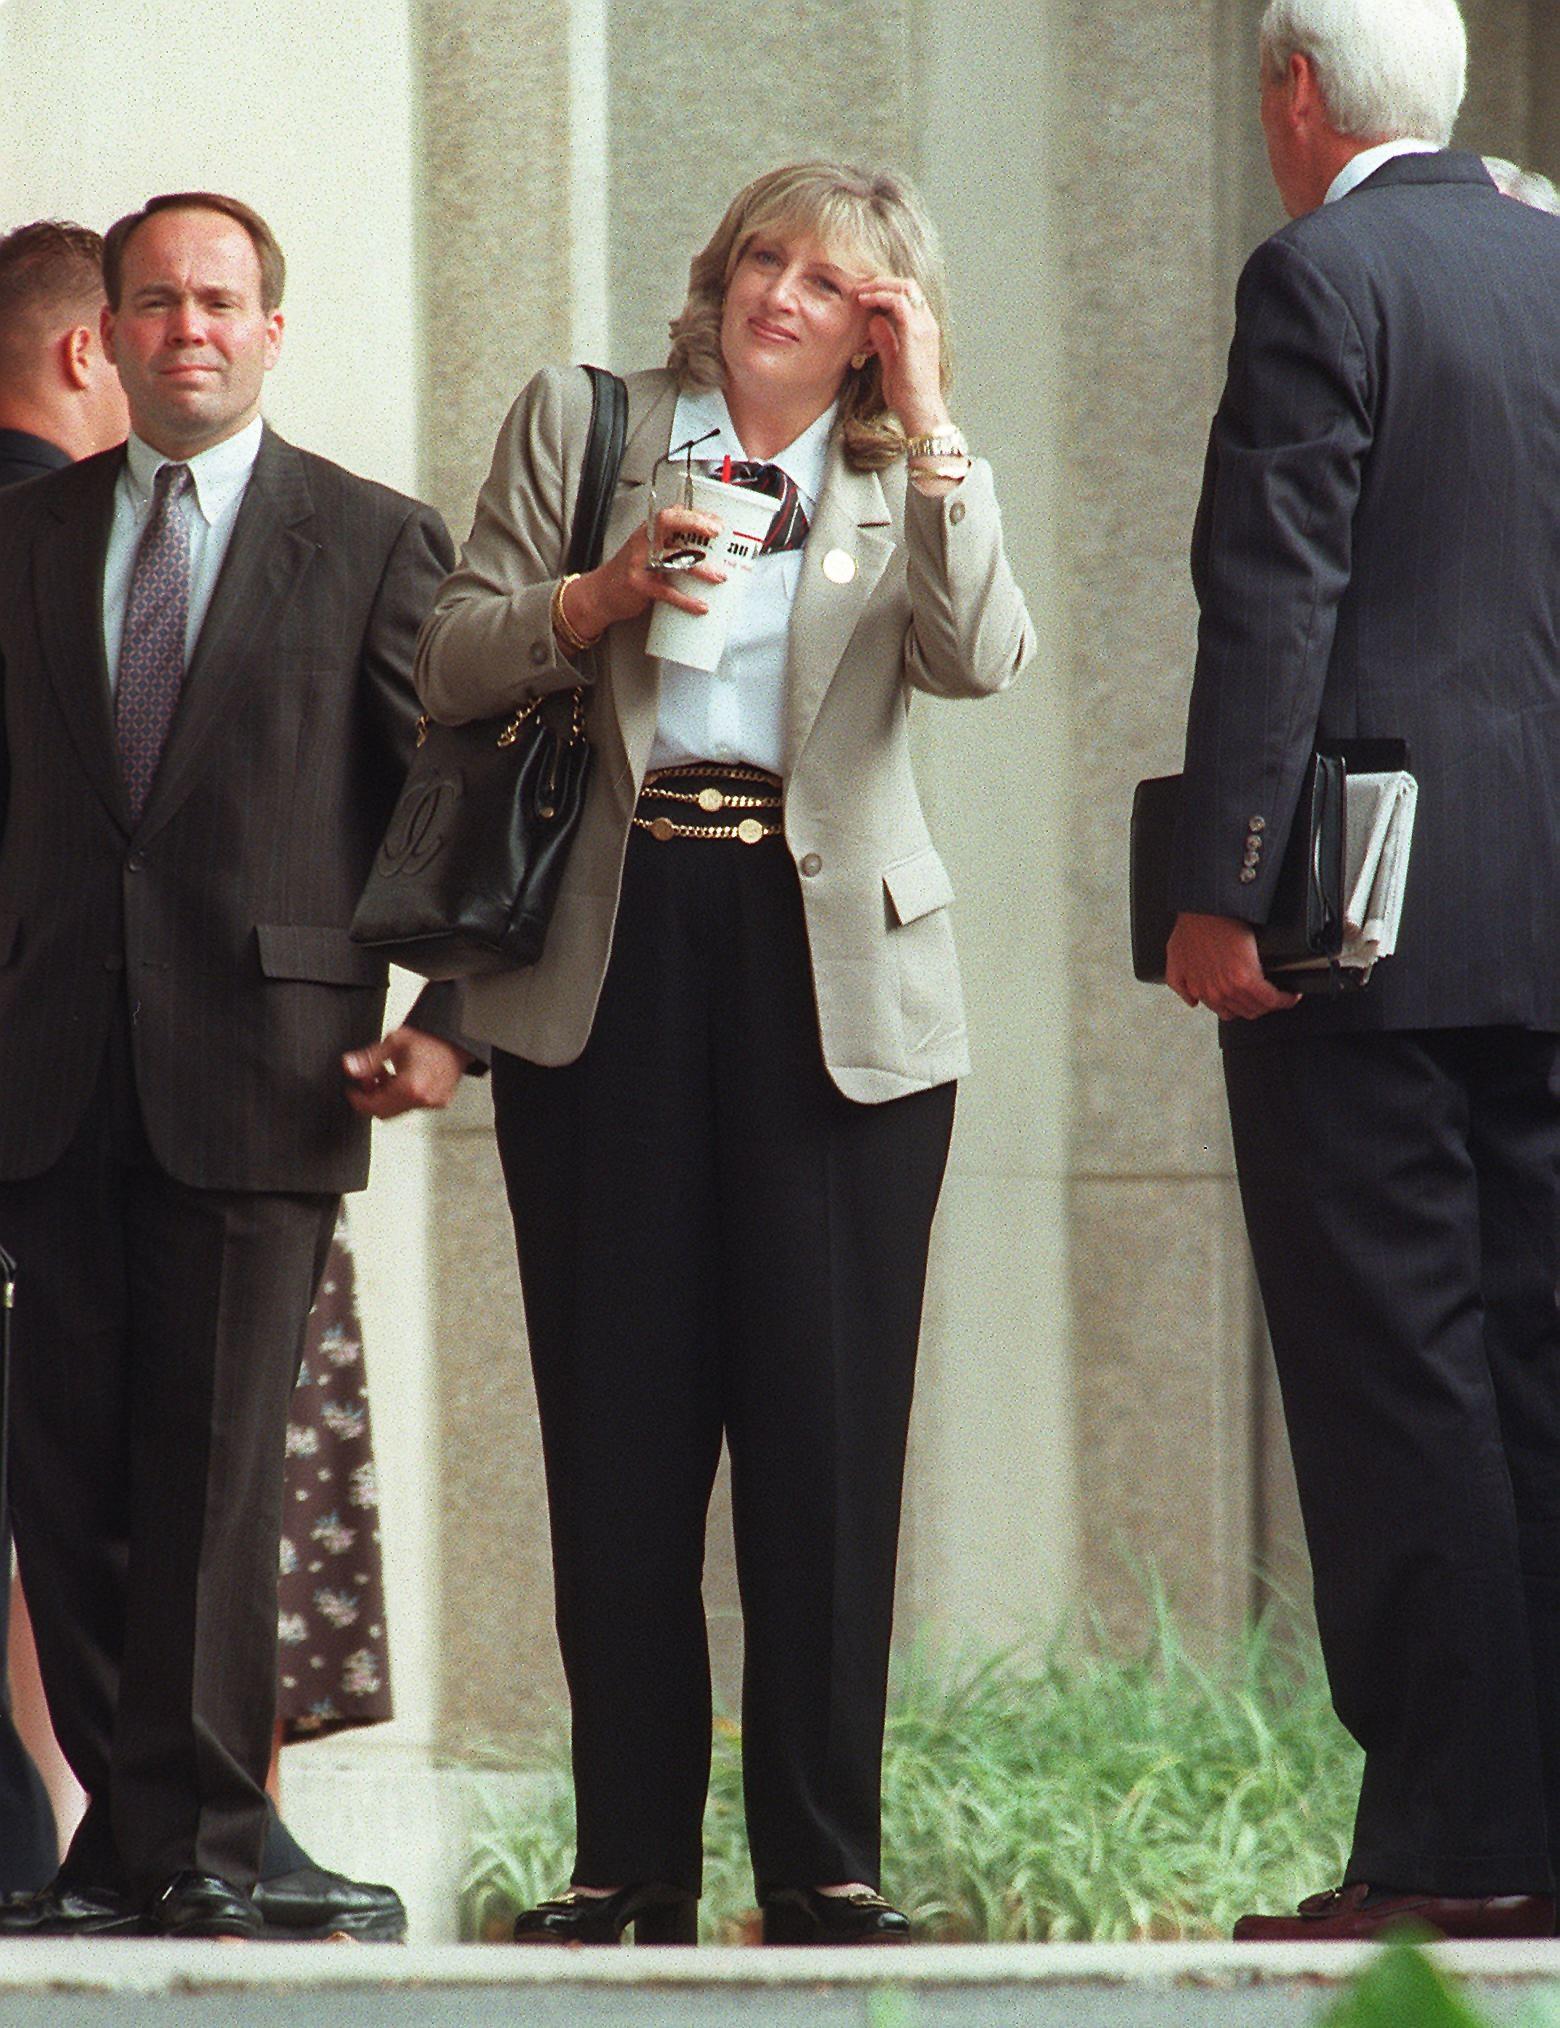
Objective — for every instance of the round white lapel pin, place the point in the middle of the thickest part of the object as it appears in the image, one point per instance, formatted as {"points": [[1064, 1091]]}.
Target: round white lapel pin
{"points": [[839, 566]]}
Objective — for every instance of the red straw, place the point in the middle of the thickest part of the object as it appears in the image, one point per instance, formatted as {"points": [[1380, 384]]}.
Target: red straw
{"points": [[725, 469]]}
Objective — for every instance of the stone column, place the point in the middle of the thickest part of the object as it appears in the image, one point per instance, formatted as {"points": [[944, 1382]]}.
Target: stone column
{"points": [[1544, 79], [1497, 112], [501, 281], [1153, 194], [992, 1547], [1183, 1458]]}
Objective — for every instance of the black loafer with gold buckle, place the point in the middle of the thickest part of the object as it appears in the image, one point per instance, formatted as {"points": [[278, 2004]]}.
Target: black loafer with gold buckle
{"points": [[659, 1914], [804, 1915]]}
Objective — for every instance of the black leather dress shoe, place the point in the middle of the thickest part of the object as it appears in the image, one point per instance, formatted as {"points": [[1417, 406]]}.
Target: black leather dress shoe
{"points": [[201, 1905], [309, 1904], [802, 1915], [62, 1910], [660, 1915]]}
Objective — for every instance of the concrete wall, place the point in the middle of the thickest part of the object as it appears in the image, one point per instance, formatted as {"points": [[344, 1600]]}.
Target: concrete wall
{"points": [[314, 128], [315, 123]]}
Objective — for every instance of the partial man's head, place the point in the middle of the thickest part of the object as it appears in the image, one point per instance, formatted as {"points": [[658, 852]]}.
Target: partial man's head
{"points": [[193, 318], [1342, 75], [55, 380], [1528, 186]]}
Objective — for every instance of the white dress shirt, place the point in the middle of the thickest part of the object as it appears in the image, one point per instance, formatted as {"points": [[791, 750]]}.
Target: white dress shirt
{"points": [[736, 712], [1369, 160], [219, 478]]}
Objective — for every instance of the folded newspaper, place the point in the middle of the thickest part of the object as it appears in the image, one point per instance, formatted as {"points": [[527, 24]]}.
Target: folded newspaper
{"points": [[1378, 831]]}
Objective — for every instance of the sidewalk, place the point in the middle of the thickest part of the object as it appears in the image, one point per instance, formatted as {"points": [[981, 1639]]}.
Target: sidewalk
{"points": [[153, 1985]]}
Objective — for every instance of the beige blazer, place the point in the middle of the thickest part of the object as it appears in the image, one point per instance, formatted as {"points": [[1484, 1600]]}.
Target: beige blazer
{"points": [[929, 604]]}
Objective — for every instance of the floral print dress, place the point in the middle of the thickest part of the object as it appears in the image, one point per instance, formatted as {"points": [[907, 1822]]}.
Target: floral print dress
{"points": [[334, 1661]]}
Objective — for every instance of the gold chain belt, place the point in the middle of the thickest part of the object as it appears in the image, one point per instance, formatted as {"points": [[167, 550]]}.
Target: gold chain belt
{"points": [[714, 796]]}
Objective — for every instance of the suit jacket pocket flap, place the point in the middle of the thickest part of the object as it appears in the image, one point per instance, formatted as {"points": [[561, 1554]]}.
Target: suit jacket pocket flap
{"points": [[318, 953], [917, 885]]}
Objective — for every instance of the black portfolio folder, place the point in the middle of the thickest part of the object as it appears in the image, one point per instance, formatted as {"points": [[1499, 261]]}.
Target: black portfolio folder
{"points": [[1305, 922]]}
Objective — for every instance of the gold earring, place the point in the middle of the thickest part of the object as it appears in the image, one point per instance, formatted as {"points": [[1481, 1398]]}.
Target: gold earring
{"points": [[859, 359]]}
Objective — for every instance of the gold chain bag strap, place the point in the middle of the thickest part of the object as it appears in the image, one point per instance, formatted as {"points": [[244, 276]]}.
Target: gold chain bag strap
{"points": [[466, 878]]}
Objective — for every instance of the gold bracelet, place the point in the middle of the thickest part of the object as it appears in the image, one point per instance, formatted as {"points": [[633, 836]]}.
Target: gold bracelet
{"points": [[574, 641], [944, 443]]}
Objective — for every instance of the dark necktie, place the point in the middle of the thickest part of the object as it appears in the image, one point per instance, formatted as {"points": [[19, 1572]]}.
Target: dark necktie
{"points": [[788, 530], [151, 653]]}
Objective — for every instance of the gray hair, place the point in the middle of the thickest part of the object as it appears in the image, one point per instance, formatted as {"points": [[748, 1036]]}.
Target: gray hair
{"points": [[1526, 185], [1388, 69]]}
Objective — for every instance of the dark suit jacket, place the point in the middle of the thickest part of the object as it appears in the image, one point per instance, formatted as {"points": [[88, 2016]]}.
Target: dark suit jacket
{"points": [[23, 456], [1378, 552], [29, 1842], [224, 912]]}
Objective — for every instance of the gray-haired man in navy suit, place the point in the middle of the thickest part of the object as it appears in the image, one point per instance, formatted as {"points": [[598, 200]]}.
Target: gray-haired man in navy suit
{"points": [[1378, 553]]}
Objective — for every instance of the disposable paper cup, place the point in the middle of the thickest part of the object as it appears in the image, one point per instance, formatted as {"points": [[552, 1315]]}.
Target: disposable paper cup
{"points": [[699, 639]]}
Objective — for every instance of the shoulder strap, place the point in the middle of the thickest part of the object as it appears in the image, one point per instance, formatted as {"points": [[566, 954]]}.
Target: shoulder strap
{"points": [[598, 478]]}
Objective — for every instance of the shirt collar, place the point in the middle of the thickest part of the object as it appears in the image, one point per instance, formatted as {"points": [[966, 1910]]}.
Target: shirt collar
{"points": [[1369, 160], [220, 474], [803, 460]]}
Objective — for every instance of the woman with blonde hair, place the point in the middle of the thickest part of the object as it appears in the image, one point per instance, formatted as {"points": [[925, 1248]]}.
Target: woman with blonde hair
{"points": [[725, 1093]]}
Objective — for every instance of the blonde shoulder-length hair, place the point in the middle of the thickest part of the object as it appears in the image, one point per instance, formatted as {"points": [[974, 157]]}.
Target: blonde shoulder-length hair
{"points": [[866, 214]]}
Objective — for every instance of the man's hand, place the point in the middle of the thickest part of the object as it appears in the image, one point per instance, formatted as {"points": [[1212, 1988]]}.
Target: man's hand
{"points": [[408, 1069], [1212, 961]]}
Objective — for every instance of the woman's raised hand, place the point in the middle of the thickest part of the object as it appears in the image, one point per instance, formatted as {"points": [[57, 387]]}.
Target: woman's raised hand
{"points": [[903, 333], [623, 586]]}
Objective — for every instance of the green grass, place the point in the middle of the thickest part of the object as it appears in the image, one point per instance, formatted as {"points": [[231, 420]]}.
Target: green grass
{"points": [[1078, 1793]]}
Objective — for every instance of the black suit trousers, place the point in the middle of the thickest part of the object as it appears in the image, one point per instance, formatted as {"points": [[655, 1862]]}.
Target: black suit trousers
{"points": [[158, 1330], [1402, 1194], [714, 1242]]}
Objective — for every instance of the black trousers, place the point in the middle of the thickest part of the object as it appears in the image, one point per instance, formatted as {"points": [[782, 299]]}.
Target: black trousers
{"points": [[158, 1330], [1401, 1196], [713, 1241]]}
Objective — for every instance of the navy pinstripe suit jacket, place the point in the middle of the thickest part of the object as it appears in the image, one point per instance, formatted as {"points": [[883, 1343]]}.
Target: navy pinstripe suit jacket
{"points": [[1377, 551], [224, 912]]}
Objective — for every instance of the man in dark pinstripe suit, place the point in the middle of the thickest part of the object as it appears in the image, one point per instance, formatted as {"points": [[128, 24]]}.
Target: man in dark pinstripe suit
{"points": [[1378, 553], [177, 996]]}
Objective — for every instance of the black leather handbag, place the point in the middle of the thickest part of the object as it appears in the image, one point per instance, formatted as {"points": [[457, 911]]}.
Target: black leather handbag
{"points": [[466, 878], [1305, 922]]}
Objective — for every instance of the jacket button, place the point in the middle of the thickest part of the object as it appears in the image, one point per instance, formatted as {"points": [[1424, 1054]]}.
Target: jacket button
{"points": [[136, 862], [539, 653], [1256, 823], [1247, 875], [956, 512], [811, 864]]}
